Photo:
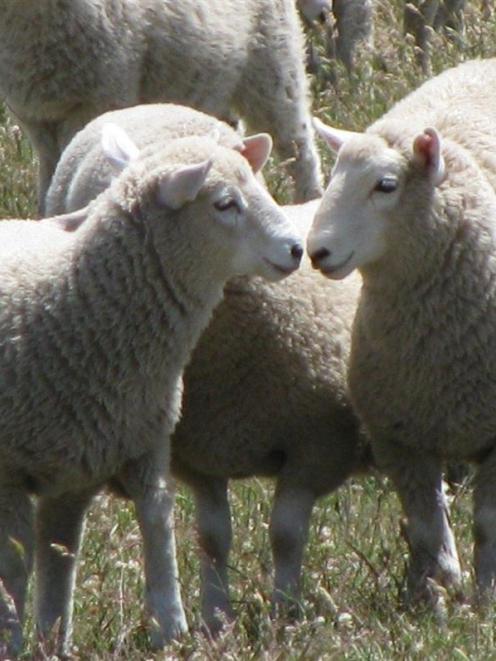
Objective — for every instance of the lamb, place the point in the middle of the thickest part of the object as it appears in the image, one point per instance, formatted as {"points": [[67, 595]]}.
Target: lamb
{"points": [[84, 170], [280, 406], [275, 355], [96, 327], [64, 62], [412, 205]]}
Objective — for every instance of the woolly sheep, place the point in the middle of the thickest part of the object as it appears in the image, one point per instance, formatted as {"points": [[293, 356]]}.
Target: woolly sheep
{"points": [[62, 63], [412, 205], [265, 390], [265, 394], [96, 327], [84, 170]]}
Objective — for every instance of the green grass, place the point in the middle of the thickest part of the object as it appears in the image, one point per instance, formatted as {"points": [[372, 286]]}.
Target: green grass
{"points": [[356, 557]]}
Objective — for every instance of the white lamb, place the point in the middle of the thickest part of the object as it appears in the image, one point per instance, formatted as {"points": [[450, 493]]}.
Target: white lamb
{"points": [[63, 62], [96, 326], [265, 391], [412, 205]]}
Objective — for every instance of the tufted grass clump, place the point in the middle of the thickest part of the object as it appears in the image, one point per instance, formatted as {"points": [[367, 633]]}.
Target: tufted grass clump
{"points": [[353, 579]]}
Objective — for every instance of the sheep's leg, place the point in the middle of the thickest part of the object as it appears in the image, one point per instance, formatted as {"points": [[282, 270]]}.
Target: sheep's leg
{"points": [[16, 559], [485, 527], [43, 137], [272, 97], [59, 528], [148, 484], [214, 531], [289, 524], [418, 481]]}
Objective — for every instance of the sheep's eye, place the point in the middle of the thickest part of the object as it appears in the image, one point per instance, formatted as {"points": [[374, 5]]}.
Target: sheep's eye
{"points": [[227, 203], [387, 184]]}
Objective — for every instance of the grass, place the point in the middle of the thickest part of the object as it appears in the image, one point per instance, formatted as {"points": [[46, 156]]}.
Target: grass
{"points": [[356, 557]]}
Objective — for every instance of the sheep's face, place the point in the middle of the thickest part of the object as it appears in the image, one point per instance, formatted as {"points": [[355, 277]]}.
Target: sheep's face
{"points": [[350, 226], [244, 229], [223, 214], [363, 203]]}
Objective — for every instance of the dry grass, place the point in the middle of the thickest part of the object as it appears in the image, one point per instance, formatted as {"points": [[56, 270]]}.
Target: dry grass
{"points": [[356, 557]]}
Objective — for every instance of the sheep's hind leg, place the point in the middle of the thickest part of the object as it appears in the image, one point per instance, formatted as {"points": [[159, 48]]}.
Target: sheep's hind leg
{"points": [[147, 483], [213, 519], [289, 524], [433, 556], [272, 97], [16, 558], [59, 531], [485, 528]]}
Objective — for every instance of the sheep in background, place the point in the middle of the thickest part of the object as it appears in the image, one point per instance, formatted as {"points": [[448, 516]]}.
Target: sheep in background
{"points": [[96, 327], [412, 205], [265, 391], [84, 170], [265, 394], [62, 63]]}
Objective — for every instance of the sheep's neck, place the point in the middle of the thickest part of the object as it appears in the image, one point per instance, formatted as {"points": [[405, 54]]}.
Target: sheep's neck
{"points": [[146, 315]]}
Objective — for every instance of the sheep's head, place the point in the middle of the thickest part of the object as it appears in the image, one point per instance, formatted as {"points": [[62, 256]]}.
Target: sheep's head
{"points": [[210, 195], [365, 196]]}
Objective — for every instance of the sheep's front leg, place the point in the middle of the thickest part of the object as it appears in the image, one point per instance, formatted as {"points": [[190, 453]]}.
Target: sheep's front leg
{"points": [[277, 103], [147, 482], [59, 528], [214, 531], [16, 555], [485, 528], [43, 137], [418, 481], [289, 524]]}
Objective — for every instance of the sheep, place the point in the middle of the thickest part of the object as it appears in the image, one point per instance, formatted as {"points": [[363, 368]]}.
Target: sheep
{"points": [[280, 406], [275, 356], [62, 63], [412, 205], [96, 326], [84, 170]]}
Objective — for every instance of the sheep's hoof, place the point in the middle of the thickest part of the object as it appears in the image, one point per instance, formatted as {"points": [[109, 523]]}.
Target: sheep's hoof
{"points": [[175, 627]]}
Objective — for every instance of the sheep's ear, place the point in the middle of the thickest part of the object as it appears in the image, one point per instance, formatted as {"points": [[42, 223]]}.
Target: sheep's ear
{"points": [[256, 149], [118, 146], [183, 185], [427, 152], [68, 222], [335, 138]]}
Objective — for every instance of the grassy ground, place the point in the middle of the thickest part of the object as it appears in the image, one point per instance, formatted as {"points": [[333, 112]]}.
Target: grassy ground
{"points": [[356, 557]]}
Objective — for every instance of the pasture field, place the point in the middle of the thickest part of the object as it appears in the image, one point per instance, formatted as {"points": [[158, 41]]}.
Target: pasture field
{"points": [[355, 562]]}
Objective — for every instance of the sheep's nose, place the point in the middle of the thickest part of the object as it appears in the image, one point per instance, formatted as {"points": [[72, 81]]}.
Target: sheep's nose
{"points": [[318, 256], [297, 252]]}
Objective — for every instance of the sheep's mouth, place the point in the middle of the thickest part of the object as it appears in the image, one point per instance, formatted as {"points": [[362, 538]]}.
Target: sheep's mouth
{"points": [[283, 270], [335, 269]]}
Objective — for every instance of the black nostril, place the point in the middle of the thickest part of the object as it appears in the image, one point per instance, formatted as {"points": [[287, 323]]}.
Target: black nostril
{"points": [[322, 253], [297, 251]]}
